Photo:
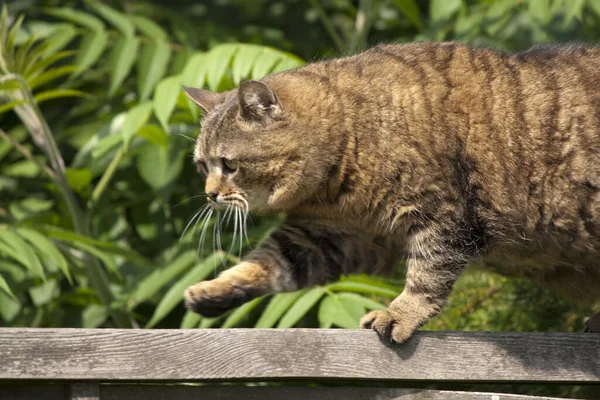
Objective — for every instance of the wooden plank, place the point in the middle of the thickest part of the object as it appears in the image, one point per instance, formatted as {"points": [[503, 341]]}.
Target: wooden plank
{"points": [[276, 354], [85, 391], [135, 392]]}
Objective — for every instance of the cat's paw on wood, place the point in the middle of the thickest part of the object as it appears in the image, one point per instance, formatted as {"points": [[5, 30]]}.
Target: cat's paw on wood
{"points": [[389, 325], [213, 298]]}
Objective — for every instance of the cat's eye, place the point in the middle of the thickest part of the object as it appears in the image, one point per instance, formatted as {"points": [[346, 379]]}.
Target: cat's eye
{"points": [[202, 168], [229, 166]]}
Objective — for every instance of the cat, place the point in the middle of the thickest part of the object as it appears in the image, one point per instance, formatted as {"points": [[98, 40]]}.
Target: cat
{"points": [[440, 153]]}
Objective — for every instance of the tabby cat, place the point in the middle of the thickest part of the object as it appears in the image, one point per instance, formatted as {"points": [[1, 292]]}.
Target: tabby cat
{"points": [[439, 153]]}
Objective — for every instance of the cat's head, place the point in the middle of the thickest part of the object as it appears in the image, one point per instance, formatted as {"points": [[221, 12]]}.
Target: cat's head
{"points": [[253, 150]]}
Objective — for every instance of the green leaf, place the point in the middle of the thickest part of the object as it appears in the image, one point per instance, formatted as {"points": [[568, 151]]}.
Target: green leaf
{"points": [[42, 294], [301, 307], [63, 35], [135, 120], [243, 61], [79, 180], [152, 65], [287, 63], [574, 10], [595, 6], [364, 302], [52, 74], [15, 247], [174, 295], [541, 10], [165, 98], [194, 73], [9, 307], [44, 63], [190, 320], [217, 63], [4, 287], [47, 249], [242, 311], [91, 48], [57, 94], [106, 258], [265, 63], [108, 247], [154, 134], [149, 28], [119, 20], [410, 9], [160, 277], [341, 312], [10, 105], [93, 316], [278, 305], [159, 166], [77, 17], [442, 10], [122, 57], [359, 287], [29, 207]]}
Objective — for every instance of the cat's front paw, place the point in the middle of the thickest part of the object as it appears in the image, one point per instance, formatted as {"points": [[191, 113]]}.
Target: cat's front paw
{"points": [[213, 298], [389, 325]]}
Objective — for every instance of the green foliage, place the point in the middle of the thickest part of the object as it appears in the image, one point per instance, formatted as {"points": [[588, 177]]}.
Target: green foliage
{"points": [[96, 186]]}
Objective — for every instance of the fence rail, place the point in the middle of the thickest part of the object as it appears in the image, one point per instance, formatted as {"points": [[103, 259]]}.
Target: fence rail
{"points": [[103, 363]]}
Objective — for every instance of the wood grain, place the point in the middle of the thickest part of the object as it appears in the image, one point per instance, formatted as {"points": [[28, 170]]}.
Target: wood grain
{"points": [[112, 355]]}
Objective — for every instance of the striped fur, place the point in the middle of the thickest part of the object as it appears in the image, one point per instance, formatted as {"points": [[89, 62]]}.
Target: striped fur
{"points": [[441, 153]]}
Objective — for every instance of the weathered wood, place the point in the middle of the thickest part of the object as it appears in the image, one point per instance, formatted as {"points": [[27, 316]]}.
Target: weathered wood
{"points": [[252, 354], [85, 391], [154, 392]]}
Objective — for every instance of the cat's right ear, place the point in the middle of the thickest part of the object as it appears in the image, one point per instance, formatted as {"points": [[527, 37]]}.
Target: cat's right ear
{"points": [[204, 98]]}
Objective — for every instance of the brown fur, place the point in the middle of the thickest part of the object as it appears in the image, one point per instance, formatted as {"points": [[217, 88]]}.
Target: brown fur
{"points": [[440, 152]]}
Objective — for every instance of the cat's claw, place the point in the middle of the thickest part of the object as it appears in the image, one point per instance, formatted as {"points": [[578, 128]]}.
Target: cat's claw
{"points": [[389, 325]]}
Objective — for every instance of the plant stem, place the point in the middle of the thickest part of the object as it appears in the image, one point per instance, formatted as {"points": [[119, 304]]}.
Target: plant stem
{"points": [[106, 177], [27, 154]]}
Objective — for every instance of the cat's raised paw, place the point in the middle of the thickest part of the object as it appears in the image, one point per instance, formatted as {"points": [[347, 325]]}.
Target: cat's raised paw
{"points": [[213, 298], [388, 325]]}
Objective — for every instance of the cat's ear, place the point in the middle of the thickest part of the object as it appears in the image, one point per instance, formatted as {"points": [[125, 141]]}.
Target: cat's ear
{"points": [[204, 98], [258, 101]]}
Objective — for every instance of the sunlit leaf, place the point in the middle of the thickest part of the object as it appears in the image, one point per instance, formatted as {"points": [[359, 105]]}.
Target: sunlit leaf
{"points": [[15, 247], [4, 287], [265, 63], [60, 93], [158, 165], [152, 65], [340, 312], [440, 10], [10, 105], [63, 35], [190, 320], [77, 17], [359, 287], [134, 120], [278, 305], [47, 249], [174, 295], [160, 277], [241, 312], [52, 74], [300, 307], [243, 61], [217, 62], [119, 20], [121, 60], [149, 28], [165, 98], [91, 48], [154, 134]]}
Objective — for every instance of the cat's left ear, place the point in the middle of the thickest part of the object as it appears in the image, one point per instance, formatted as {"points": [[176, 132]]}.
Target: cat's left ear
{"points": [[258, 101], [204, 98]]}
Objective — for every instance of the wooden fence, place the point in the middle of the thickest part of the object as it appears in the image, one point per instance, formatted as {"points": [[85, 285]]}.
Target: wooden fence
{"points": [[49, 364]]}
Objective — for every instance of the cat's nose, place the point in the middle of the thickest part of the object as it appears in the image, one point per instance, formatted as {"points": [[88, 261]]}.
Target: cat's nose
{"points": [[212, 195]]}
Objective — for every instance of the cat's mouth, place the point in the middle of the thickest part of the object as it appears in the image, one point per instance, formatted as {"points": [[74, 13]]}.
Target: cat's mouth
{"points": [[223, 202]]}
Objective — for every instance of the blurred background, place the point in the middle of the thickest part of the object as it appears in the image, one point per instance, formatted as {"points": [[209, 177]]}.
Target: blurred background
{"points": [[97, 184]]}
